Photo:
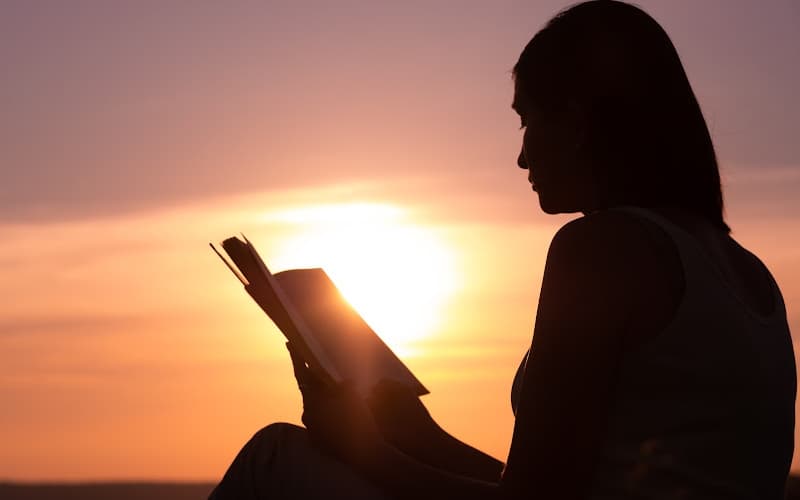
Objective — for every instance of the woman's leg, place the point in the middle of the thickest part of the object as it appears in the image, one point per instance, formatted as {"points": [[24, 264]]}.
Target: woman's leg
{"points": [[279, 463]]}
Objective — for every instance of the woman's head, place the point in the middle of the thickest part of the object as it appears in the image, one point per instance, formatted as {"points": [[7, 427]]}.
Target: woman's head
{"points": [[610, 116]]}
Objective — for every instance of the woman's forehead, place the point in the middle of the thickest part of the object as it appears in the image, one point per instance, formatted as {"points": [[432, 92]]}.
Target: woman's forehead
{"points": [[522, 98], [519, 102]]}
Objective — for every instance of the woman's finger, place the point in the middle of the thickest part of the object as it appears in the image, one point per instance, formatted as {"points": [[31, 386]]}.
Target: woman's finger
{"points": [[299, 367]]}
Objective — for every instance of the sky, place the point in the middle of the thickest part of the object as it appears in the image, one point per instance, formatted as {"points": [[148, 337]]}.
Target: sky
{"points": [[332, 134]]}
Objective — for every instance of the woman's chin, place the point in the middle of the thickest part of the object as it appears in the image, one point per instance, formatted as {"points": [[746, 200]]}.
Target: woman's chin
{"points": [[546, 204]]}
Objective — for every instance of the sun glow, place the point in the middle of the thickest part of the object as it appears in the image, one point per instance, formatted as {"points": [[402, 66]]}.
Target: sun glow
{"points": [[396, 273]]}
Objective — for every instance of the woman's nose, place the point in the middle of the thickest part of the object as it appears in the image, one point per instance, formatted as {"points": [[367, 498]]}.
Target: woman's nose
{"points": [[521, 163]]}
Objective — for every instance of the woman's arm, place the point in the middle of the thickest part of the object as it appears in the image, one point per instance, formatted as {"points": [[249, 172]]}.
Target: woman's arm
{"points": [[605, 284], [406, 424], [405, 478], [339, 422], [454, 456]]}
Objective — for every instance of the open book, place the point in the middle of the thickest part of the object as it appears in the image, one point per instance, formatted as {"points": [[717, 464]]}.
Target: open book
{"points": [[306, 306]]}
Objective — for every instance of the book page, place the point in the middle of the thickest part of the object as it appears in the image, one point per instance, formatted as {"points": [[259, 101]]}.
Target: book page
{"points": [[351, 345], [262, 286]]}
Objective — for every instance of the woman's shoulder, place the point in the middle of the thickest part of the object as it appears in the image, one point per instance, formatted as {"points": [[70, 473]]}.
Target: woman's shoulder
{"points": [[653, 239], [638, 253], [621, 255], [617, 236]]}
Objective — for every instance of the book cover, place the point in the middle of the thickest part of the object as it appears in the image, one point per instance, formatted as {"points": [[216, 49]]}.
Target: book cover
{"points": [[314, 316]]}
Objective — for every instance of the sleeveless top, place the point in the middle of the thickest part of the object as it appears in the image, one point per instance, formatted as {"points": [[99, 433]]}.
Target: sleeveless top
{"points": [[705, 409]]}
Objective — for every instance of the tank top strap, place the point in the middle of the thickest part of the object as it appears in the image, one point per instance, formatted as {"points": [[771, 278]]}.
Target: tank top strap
{"points": [[689, 252], [698, 267], [676, 233]]}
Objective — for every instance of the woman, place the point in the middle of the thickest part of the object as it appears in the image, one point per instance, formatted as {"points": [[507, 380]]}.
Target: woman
{"points": [[661, 364]]}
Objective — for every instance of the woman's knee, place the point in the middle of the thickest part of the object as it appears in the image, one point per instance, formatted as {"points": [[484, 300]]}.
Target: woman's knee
{"points": [[277, 436], [278, 432]]}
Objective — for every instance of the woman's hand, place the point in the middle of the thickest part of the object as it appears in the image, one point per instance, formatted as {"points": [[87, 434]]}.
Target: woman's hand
{"points": [[402, 418], [405, 423], [340, 423], [336, 417]]}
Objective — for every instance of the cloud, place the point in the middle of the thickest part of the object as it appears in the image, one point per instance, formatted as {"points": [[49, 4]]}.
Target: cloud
{"points": [[766, 192], [28, 326]]}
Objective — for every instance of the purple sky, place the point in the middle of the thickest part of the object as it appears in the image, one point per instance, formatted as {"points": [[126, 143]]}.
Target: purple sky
{"points": [[116, 106]]}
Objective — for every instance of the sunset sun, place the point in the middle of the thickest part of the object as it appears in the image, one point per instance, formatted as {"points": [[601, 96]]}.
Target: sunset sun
{"points": [[397, 274]]}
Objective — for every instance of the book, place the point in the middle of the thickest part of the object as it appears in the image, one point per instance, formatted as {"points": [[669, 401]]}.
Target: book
{"points": [[305, 305]]}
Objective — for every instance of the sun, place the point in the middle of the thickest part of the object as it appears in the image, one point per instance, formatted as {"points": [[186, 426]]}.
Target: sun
{"points": [[396, 273]]}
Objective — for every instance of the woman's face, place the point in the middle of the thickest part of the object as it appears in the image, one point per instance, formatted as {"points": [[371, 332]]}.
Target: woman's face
{"points": [[551, 153]]}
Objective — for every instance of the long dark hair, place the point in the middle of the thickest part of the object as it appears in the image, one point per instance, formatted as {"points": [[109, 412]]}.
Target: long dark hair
{"points": [[646, 133]]}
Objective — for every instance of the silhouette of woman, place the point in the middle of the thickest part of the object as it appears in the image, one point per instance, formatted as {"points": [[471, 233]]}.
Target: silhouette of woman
{"points": [[661, 364]]}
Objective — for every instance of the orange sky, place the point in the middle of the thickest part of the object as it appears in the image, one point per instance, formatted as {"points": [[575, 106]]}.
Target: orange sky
{"points": [[135, 135]]}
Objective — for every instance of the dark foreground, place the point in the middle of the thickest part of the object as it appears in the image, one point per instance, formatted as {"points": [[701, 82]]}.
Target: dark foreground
{"points": [[105, 491], [161, 491]]}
